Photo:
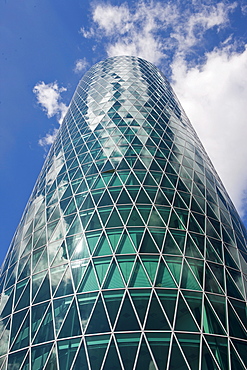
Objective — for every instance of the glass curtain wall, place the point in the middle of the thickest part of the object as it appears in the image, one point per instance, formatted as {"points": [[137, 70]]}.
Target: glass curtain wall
{"points": [[130, 254]]}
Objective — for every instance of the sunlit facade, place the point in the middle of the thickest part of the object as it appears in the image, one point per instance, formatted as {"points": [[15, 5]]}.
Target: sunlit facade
{"points": [[130, 254]]}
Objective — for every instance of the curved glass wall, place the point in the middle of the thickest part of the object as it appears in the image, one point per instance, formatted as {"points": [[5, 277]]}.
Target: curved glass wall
{"points": [[130, 254]]}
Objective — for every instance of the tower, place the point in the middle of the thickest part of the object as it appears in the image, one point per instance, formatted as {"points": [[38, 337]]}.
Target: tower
{"points": [[130, 254]]}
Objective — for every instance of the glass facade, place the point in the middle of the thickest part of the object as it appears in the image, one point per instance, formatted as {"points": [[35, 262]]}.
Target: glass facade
{"points": [[130, 254]]}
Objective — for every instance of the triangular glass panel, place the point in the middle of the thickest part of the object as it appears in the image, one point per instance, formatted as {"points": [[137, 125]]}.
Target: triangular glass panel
{"points": [[45, 331], [184, 319], [150, 263], [127, 345], [211, 323], [125, 245], [98, 322], [103, 247], [65, 286], [112, 360], [66, 352], [94, 222], [139, 277], [112, 300], [124, 198], [170, 245], [81, 360], [22, 338], [44, 291], [101, 266], [126, 265], [188, 280], [148, 245], [164, 278], [15, 360], [127, 320], [71, 326], [114, 220], [156, 319], [39, 355], [113, 279], [219, 347], [89, 282], [177, 360], [96, 346], [144, 359]]}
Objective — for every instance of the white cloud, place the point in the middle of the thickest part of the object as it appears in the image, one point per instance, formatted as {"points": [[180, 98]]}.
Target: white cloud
{"points": [[81, 65], [49, 97], [214, 96], [191, 30]]}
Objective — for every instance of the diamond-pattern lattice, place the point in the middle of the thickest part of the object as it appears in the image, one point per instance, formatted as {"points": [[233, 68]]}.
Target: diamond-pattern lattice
{"points": [[130, 254]]}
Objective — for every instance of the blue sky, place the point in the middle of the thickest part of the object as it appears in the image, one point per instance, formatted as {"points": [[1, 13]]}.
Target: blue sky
{"points": [[46, 46]]}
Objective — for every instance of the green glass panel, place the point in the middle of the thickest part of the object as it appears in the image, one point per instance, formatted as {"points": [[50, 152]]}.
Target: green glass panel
{"points": [[232, 289], [112, 359], [126, 264], [211, 284], [135, 219], [92, 239], [112, 300], [240, 346], [114, 236], [127, 319], [22, 339], [148, 245], [124, 198], [98, 322], [65, 286], [81, 360], [174, 264], [142, 198], [103, 247], [96, 346], [211, 323], [170, 246], [136, 234], [37, 315], [39, 355], [86, 303], [114, 220], [127, 345], [71, 326], [105, 200], [144, 359], [45, 331], [89, 282], [164, 278], [113, 279], [188, 280], [101, 266], [194, 300], [94, 222], [139, 277], [219, 304], [177, 360], [236, 363], [184, 319], [159, 219], [15, 360], [159, 344], [66, 352], [6, 310], [158, 235], [144, 211], [240, 308], [219, 347], [150, 264], [156, 319], [140, 298], [61, 307], [236, 328], [125, 245]]}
